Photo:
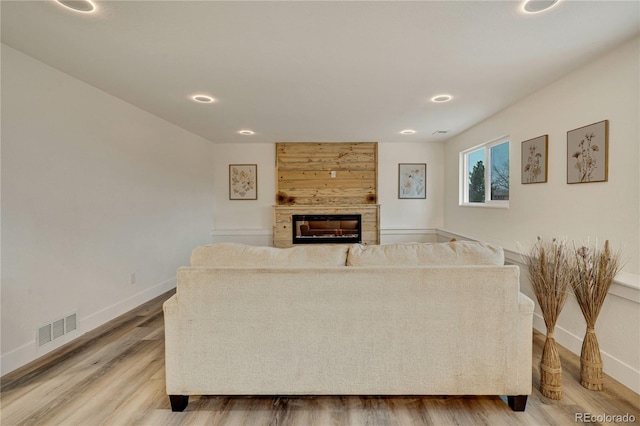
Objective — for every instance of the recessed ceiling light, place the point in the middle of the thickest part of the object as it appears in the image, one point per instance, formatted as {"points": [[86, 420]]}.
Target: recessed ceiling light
{"points": [[84, 6], [441, 98], [247, 132], [535, 6], [408, 132], [203, 99]]}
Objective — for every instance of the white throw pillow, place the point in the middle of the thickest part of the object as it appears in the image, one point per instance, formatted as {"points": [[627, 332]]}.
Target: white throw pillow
{"points": [[242, 255], [451, 253]]}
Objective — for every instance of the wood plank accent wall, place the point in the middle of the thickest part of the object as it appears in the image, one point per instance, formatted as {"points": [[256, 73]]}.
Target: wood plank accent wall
{"points": [[282, 227], [304, 173], [305, 186]]}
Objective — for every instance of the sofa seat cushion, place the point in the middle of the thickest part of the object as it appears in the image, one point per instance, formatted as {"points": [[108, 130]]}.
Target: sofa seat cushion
{"points": [[242, 255], [451, 253]]}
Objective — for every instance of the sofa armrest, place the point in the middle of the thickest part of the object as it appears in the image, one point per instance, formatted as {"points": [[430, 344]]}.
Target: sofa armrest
{"points": [[170, 306], [525, 304], [174, 344], [524, 338]]}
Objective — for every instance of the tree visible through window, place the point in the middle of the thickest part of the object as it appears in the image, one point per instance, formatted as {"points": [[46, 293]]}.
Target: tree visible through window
{"points": [[500, 172], [476, 183]]}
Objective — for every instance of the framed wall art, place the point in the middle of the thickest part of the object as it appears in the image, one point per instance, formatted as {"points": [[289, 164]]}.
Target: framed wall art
{"points": [[243, 181], [534, 159], [412, 180], [588, 153]]}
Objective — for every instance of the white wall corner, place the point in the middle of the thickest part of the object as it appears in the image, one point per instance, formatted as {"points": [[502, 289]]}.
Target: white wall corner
{"points": [[30, 351]]}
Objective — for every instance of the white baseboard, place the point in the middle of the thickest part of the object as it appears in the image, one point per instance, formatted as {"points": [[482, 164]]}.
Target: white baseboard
{"points": [[255, 237], [30, 351], [241, 232], [96, 319], [408, 231], [626, 286], [405, 235], [18, 357], [619, 370]]}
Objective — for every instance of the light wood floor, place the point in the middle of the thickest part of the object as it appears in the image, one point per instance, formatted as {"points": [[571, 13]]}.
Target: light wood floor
{"points": [[115, 376]]}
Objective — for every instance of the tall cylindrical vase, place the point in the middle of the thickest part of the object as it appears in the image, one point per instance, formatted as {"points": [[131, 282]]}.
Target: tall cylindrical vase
{"points": [[550, 369], [591, 362]]}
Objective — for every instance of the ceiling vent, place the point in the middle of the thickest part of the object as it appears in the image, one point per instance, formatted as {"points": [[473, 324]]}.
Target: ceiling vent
{"points": [[439, 132]]}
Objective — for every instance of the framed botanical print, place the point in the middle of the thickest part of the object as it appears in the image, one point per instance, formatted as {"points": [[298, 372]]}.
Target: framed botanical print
{"points": [[412, 180], [534, 160], [243, 181], [588, 153]]}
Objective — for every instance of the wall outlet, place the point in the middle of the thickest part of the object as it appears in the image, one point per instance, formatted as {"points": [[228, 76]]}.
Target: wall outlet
{"points": [[132, 278], [333, 173]]}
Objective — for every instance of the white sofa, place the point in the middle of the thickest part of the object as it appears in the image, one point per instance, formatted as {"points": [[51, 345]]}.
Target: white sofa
{"points": [[399, 319]]}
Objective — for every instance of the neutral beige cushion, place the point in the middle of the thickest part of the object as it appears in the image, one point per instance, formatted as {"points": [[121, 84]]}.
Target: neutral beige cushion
{"points": [[451, 253], [241, 255], [390, 330]]}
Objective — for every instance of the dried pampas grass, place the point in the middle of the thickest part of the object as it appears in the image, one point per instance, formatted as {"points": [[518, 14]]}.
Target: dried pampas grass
{"points": [[549, 266], [594, 270]]}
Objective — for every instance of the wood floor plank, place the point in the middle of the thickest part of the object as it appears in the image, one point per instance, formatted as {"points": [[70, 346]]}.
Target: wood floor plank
{"points": [[115, 376], [116, 385], [50, 386]]}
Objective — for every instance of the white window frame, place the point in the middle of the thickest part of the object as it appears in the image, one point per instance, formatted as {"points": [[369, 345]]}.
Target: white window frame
{"points": [[464, 175]]}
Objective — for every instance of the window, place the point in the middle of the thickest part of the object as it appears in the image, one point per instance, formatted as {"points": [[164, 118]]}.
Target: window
{"points": [[484, 174]]}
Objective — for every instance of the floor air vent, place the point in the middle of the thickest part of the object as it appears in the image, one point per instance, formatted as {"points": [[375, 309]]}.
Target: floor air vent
{"points": [[70, 323], [44, 335], [56, 329]]}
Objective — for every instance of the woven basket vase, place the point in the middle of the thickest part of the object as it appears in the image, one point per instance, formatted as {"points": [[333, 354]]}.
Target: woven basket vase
{"points": [[591, 362], [550, 369]]}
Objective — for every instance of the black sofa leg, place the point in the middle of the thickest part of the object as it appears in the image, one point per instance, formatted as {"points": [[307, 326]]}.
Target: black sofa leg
{"points": [[517, 402], [178, 402]]}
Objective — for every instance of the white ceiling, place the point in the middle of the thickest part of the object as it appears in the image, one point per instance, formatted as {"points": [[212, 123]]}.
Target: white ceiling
{"points": [[319, 71]]}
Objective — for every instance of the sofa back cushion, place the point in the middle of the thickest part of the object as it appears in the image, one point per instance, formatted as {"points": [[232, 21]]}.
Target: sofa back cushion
{"points": [[241, 255], [405, 254]]}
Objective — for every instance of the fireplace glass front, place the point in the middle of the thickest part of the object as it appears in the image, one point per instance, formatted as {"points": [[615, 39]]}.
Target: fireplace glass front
{"points": [[326, 228]]}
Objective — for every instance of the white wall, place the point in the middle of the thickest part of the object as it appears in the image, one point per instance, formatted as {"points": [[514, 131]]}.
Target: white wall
{"points": [[244, 214], [402, 214], [93, 189], [251, 221], [609, 89], [244, 221], [606, 89]]}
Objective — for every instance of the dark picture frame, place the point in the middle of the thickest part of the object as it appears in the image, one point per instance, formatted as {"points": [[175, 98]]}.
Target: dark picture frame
{"points": [[412, 180], [243, 181]]}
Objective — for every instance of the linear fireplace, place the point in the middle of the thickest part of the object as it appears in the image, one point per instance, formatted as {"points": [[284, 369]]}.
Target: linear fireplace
{"points": [[326, 228]]}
